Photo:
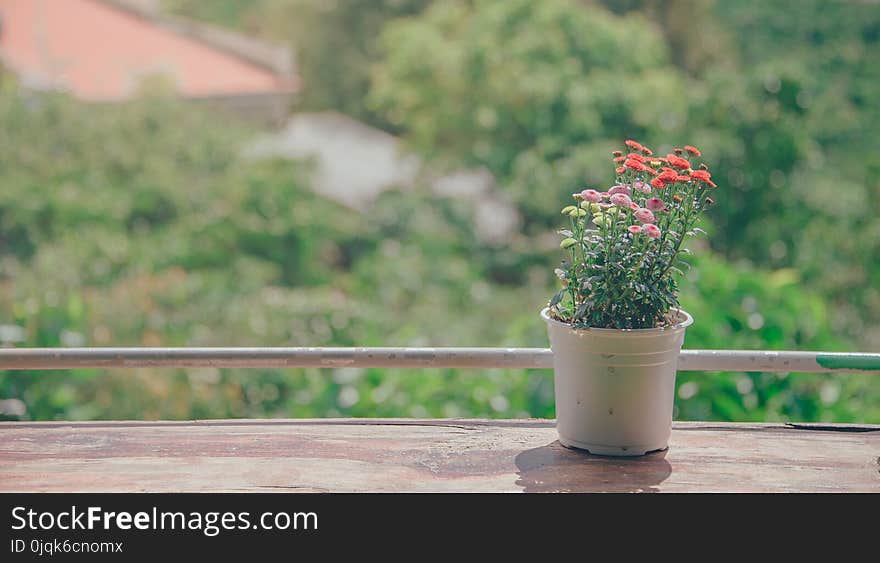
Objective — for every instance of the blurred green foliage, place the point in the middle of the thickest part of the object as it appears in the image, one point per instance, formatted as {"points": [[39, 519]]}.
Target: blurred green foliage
{"points": [[142, 224], [337, 42], [780, 99]]}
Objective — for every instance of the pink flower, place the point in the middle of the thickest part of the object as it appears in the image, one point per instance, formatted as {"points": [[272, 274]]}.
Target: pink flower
{"points": [[652, 231], [603, 195], [644, 215], [620, 189], [634, 206], [642, 187], [591, 195], [634, 229], [620, 200], [654, 203]]}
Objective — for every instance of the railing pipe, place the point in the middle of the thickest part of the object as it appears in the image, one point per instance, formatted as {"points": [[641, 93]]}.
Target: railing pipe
{"points": [[540, 358]]}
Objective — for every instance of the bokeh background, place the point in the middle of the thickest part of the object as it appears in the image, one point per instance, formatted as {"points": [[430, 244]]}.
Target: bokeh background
{"points": [[397, 180]]}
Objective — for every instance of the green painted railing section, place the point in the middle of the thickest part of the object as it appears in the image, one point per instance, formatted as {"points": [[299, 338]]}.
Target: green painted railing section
{"points": [[849, 361]]}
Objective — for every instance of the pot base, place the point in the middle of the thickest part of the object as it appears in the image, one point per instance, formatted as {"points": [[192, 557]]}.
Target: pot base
{"points": [[616, 451]]}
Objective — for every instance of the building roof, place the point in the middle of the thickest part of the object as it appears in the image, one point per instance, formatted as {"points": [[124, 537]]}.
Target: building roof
{"points": [[102, 50], [354, 164]]}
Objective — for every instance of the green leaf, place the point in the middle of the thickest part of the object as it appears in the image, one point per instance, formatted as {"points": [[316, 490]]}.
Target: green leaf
{"points": [[557, 298], [567, 243]]}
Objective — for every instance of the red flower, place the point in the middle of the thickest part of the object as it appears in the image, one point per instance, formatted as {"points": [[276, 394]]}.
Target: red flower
{"points": [[668, 175], [711, 184], [616, 153], [701, 175], [637, 156], [677, 198], [678, 162], [619, 158], [693, 150], [650, 171], [647, 151], [620, 169], [658, 183], [634, 164], [633, 145], [682, 178]]}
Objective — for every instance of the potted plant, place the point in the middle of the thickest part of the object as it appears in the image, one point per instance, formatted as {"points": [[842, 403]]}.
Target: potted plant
{"points": [[616, 327]]}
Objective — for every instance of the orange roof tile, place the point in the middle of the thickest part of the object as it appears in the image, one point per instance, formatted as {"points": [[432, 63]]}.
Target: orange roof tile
{"points": [[101, 53]]}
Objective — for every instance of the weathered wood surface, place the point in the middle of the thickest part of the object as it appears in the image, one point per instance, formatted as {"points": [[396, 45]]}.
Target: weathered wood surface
{"points": [[345, 455]]}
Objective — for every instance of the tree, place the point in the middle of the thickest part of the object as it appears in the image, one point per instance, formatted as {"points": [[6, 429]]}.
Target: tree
{"points": [[335, 42], [538, 92]]}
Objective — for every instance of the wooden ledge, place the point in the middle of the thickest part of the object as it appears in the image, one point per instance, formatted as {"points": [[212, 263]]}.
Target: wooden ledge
{"points": [[418, 455]]}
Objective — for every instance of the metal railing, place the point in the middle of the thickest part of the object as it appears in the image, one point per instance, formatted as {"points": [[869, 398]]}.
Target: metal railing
{"points": [[539, 358]]}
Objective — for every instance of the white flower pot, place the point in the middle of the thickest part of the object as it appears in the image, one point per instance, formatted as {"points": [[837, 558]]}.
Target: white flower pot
{"points": [[615, 388]]}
